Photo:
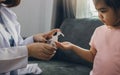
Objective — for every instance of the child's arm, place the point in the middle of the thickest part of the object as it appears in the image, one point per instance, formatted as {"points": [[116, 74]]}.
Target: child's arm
{"points": [[85, 54]]}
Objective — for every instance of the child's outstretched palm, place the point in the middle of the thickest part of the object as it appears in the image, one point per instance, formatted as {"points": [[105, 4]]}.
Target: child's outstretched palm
{"points": [[64, 45]]}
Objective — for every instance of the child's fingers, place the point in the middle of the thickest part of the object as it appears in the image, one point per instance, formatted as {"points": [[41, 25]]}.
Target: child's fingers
{"points": [[58, 44]]}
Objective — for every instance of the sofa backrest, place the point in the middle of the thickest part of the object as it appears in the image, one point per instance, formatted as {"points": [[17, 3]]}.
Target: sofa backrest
{"points": [[79, 32]]}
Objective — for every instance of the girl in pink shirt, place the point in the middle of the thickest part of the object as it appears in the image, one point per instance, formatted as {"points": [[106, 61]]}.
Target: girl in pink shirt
{"points": [[105, 43]]}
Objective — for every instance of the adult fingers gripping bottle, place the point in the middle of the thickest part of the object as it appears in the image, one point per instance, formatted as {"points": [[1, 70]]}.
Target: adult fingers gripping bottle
{"points": [[54, 39]]}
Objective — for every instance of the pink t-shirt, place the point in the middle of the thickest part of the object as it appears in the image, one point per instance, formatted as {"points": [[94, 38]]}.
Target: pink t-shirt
{"points": [[107, 43]]}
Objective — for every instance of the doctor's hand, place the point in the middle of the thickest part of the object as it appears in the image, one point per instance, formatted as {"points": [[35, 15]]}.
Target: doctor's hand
{"points": [[41, 51], [46, 36]]}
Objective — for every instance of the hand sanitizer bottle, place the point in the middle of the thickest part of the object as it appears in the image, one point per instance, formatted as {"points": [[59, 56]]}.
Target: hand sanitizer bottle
{"points": [[55, 38]]}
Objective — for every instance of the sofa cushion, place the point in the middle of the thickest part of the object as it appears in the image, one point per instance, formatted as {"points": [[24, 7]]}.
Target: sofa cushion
{"points": [[79, 32], [61, 68]]}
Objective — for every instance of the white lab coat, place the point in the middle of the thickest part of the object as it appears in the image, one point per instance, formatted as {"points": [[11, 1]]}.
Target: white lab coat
{"points": [[12, 58]]}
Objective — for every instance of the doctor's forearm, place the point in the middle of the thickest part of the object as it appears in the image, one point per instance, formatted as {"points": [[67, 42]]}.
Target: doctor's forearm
{"points": [[13, 58]]}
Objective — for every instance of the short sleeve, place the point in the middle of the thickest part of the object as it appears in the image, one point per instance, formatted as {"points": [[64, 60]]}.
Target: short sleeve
{"points": [[92, 41]]}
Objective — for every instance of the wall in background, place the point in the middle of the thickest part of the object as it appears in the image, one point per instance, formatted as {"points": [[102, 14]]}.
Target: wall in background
{"points": [[34, 16]]}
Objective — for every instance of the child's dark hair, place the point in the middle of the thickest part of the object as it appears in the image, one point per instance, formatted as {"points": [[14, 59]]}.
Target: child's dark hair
{"points": [[115, 4], [11, 3]]}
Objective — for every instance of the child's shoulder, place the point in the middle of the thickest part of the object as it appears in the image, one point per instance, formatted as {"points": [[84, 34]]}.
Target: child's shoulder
{"points": [[101, 27]]}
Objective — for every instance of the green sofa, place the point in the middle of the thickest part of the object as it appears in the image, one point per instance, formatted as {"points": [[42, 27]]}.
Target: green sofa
{"points": [[79, 32]]}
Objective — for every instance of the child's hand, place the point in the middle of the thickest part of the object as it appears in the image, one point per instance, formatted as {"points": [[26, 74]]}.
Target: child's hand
{"points": [[64, 45]]}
